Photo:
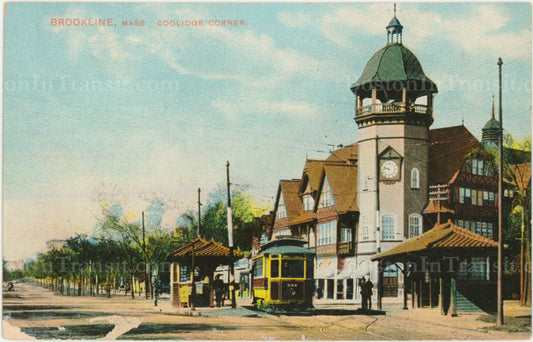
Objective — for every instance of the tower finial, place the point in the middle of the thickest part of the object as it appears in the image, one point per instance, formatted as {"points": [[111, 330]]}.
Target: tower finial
{"points": [[394, 29], [493, 107]]}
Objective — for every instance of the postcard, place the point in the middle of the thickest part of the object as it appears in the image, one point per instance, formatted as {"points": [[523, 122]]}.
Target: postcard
{"points": [[267, 171]]}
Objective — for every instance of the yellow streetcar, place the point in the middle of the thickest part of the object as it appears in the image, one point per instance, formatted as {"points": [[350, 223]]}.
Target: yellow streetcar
{"points": [[283, 275]]}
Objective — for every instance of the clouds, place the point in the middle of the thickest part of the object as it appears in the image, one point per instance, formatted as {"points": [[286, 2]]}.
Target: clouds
{"points": [[478, 29], [264, 95]]}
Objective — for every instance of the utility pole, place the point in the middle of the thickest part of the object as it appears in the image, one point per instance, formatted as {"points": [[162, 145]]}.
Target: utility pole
{"points": [[144, 256], [230, 240], [499, 320], [199, 204], [378, 221]]}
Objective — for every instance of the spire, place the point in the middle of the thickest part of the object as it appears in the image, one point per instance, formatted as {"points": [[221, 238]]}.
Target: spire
{"points": [[493, 117], [394, 29]]}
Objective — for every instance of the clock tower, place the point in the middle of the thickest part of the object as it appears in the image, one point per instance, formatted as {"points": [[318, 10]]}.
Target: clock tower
{"points": [[393, 112]]}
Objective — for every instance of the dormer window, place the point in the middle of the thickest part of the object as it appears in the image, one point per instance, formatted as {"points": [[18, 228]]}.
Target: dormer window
{"points": [[282, 210], [326, 197], [309, 202]]}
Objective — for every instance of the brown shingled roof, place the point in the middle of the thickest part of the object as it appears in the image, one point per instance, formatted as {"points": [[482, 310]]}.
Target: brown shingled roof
{"points": [[448, 148], [313, 170], [446, 237], [344, 154], [203, 248], [290, 189], [342, 179]]}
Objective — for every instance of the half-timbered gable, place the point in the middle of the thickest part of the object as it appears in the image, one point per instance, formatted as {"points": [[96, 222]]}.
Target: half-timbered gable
{"points": [[288, 206]]}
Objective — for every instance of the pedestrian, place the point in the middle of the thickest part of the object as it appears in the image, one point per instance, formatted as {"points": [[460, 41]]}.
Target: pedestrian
{"points": [[368, 292], [362, 289], [319, 292], [218, 285]]}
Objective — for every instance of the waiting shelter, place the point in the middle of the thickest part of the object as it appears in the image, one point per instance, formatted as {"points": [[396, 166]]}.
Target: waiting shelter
{"points": [[192, 268], [447, 266]]}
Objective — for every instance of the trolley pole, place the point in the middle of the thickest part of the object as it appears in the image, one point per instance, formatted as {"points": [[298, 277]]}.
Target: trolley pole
{"points": [[230, 241], [499, 320]]}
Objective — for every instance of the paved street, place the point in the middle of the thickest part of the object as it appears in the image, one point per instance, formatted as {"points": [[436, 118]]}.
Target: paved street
{"points": [[33, 312]]}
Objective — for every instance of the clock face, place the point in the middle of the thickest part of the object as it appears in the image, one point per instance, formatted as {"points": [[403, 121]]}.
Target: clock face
{"points": [[389, 169]]}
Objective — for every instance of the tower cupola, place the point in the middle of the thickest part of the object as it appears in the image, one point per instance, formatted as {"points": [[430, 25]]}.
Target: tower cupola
{"points": [[393, 86], [491, 130], [394, 29]]}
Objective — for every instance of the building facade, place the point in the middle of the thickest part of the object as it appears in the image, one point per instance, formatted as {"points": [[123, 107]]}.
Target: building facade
{"points": [[397, 182]]}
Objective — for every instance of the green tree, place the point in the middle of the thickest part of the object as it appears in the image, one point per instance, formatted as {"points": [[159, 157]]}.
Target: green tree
{"points": [[246, 214]]}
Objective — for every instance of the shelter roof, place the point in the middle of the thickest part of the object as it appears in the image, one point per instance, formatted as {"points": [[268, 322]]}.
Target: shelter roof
{"points": [[203, 248], [448, 149], [444, 237]]}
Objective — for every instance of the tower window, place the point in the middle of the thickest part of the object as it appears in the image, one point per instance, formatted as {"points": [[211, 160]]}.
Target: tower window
{"points": [[415, 223], [364, 230], [415, 179], [387, 224]]}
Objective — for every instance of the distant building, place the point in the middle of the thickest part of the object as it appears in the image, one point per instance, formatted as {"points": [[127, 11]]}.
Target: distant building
{"points": [[14, 265], [55, 244]]}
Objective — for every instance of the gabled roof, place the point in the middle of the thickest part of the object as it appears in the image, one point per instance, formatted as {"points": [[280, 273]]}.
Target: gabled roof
{"points": [[311, 174], [203, 248], [448, 149], [446, 238], [522, 173], [290, 189], [344, 154], [342, 179]]}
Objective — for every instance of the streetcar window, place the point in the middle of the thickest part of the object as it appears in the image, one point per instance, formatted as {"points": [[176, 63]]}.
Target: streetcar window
{"points": [[309, 273], [292, 269], [258, 268], [274, 268]]}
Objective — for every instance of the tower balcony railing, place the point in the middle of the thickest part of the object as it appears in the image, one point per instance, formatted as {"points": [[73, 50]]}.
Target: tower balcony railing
{"points": [[392, 108]]}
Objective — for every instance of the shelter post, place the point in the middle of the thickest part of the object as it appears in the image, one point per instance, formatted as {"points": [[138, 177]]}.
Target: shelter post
{"points": [[441, 295], [380, 284], [453, 296], [404, 271]]}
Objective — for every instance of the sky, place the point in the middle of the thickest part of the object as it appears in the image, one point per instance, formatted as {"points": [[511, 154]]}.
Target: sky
{"points": [[136, 113]]}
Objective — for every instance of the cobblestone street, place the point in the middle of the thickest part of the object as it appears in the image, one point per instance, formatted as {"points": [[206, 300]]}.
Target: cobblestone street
{"points": [[33, 312]]}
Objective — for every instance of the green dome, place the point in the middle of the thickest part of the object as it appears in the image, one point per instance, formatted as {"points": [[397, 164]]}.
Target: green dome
{"points": [[492, 124], [394, 66]]}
